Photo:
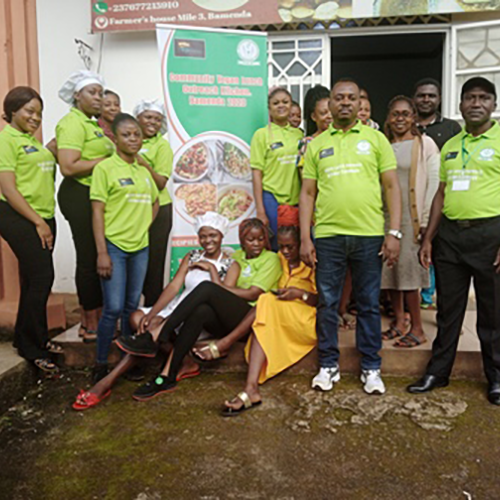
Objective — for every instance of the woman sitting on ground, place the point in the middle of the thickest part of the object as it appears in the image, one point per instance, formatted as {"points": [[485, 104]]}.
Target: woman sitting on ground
{"points": [[217, 308], [211, 229], [283, 323]]}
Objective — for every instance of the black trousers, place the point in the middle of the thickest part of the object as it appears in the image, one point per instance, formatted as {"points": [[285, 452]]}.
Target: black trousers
{"points": [[462, 254], [158, 242], [208, 307], [75, 205], [36, 270]]}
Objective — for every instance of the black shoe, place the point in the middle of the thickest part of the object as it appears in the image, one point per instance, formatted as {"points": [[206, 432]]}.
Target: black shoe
{"points": [[138, 345], [135, 374], [99, 372], [494, 393], [157, 385], [427, 383]]}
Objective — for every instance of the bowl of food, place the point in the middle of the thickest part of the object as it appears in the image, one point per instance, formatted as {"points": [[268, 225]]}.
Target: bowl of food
{"points": [[220, 5], [236, 202], [236, 161], [192, 162], [195, 199]]}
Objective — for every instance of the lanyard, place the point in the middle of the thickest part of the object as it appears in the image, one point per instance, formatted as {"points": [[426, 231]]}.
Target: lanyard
{"points": [[466, 156]]}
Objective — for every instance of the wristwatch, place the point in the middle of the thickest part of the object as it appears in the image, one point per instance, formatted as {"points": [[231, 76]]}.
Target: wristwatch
{"points": [[305, 296], [396, 233]]}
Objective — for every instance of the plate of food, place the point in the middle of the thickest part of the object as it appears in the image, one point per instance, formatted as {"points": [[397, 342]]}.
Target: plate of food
{"points": [[192, 162], [195, 199], [235, 202], [236, 161], [220, 5]]}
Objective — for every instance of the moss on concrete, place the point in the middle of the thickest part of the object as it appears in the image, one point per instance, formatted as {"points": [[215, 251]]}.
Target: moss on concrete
{"points": [[178, 447]]}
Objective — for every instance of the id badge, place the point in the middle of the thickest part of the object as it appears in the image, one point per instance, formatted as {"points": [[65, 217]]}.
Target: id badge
{"points": [[461, 185]]}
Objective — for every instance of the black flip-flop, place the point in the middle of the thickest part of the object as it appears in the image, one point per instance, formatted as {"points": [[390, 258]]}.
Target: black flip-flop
{"points": [[247, 405]]}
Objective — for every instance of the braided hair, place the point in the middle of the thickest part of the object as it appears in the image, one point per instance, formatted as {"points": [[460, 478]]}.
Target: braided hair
{"points": [[313, 96], [247, 225], [293, 231]]}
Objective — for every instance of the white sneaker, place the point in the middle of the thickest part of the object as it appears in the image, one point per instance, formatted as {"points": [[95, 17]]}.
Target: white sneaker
{"points": [[373, 383], [325, 378]]}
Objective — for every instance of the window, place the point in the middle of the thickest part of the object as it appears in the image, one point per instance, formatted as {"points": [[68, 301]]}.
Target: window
{"points": [[475, 52], [298, 63]]}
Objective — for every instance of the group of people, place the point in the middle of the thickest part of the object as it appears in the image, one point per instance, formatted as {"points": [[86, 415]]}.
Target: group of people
{"points": [[344, 212]]}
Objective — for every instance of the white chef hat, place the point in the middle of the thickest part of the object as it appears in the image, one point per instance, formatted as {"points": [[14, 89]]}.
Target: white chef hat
{"points": [[213, 220], [152, 105], [77, 81]]}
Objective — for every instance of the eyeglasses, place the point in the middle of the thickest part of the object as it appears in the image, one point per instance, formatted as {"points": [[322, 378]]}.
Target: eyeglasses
{"points": [[404, 114]]}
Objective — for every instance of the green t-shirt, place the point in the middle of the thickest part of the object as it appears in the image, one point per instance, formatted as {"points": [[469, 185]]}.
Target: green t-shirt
{"points": [[129, 192], [274, 151], [264, 271], [158, 153], [78, 131], [347, 167], [470, 166], [33, 166]]}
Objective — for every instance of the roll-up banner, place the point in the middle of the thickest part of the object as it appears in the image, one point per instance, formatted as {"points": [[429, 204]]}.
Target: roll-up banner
{"points": [[132, 15], [215, 91]]}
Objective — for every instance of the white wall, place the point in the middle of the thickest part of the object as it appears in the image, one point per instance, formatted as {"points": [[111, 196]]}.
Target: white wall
{"points": [[129, 64]]}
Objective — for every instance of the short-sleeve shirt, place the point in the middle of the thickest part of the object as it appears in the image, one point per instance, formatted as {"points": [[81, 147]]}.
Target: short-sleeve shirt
{"points": [[301, 277], [158, 153], [263, 271], [81, 133], [274, 151], [347, 168], [470, 167], [128, 191], [34, 168]]}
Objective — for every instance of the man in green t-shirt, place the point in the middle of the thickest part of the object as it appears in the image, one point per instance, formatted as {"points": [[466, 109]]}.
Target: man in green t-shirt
{"points": [[344, 170], [465, 221]]}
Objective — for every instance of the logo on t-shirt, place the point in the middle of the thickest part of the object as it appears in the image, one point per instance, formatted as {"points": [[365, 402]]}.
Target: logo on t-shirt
{"points": [[451, 156], [247, 272], [126, 182], [487, 154], [276, 145], [99, 134], [325, 153], [364, 147], [30, 149]]}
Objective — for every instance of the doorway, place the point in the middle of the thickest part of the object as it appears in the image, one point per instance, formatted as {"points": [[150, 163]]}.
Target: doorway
{"points": [[387, 65]]}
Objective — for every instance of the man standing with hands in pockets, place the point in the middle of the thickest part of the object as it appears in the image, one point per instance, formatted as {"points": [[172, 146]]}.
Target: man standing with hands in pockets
{"points": [[344, 170], [465, 220]]}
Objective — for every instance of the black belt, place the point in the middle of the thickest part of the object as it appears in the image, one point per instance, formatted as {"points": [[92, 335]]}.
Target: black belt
{"points": [[463, 224]]}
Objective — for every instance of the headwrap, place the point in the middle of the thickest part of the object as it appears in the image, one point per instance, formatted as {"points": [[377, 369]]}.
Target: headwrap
{"points": [[213, 220], [77, 81], [247, 225], [288, 216], [152, 105]]}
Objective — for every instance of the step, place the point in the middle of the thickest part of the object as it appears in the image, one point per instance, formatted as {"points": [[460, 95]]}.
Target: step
{"points": [[395, 361], [17, 376]]}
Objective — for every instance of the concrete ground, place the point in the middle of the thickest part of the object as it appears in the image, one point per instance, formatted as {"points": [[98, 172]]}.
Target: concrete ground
{"points": [[299, 444]]}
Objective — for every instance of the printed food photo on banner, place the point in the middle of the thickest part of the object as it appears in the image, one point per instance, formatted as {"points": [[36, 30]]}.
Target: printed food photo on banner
{"points": [[319, 10]]}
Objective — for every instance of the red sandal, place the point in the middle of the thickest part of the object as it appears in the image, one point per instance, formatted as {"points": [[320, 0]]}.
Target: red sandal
{"points": [[86, 400], [192, 374]]}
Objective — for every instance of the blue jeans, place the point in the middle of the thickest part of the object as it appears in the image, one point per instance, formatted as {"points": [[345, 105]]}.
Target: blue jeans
{"points": [[334, 254], [427, 294], [121, 294], [271, 208]]}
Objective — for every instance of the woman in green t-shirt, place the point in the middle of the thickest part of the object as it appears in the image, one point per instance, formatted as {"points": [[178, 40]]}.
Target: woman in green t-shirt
{"points": [[273, 158], [27, 220], [81, 145], [218, 309], [124, 204], [158, 156]]}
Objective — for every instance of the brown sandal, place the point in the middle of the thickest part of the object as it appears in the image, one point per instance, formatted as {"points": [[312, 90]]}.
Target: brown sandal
{"points": [[392, 333], [408, 341]]}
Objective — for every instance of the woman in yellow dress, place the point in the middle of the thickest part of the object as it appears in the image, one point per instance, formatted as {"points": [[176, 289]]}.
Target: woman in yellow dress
{"points": [[283, 324]]}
